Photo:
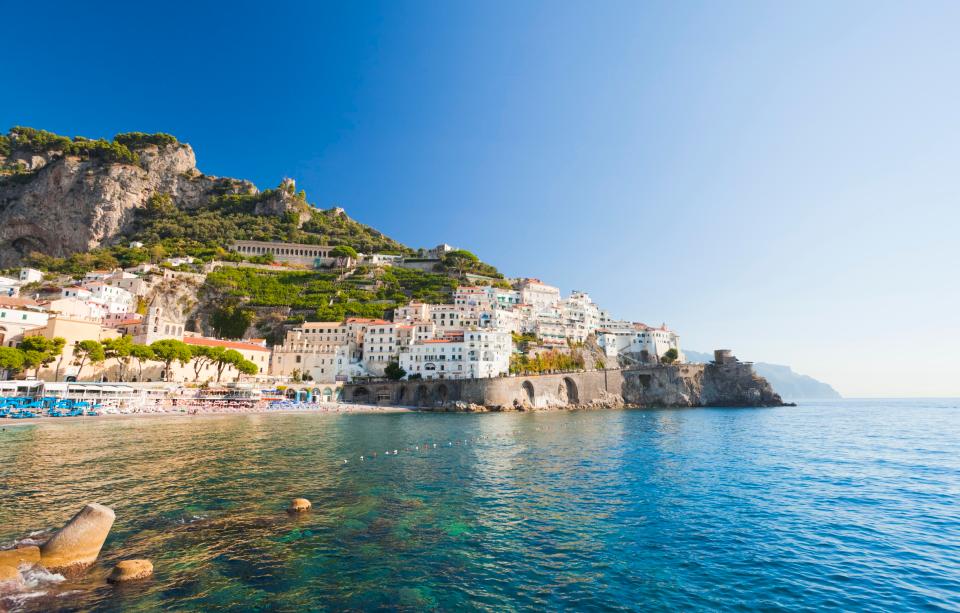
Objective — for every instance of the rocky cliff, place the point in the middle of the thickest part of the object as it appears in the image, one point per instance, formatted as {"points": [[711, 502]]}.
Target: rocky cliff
{"points": [[705, 385], [784, 380], [60, 196]]}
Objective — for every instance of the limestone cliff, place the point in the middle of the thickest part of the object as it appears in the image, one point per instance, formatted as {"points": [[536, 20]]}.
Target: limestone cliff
{"points": [[707, 385], [59, 198]]}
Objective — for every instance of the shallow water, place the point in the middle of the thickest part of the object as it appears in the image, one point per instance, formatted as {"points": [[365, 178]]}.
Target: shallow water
{"points": [[843, 505]]}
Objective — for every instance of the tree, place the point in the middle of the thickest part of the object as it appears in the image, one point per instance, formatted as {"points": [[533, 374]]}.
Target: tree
{"points": [[231, 321], [246, 367], [460, 260], [157, 253], [87, 351], [42, 351], [670, 356], [394, 372], [230, 357], [119, 349], [202, 356], [168, 351], [141, 353], [344, 254], [344, 251], [11, 360]]}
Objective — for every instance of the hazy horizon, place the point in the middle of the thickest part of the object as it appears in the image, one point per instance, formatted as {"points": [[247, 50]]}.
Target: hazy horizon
{"points": [[780, 180]]}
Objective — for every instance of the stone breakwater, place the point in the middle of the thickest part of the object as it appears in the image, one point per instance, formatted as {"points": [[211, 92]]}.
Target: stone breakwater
{"points": [[729, 384]]}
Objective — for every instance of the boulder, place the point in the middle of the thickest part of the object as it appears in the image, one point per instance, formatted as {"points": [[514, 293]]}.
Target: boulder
{"points": [[131, 570], [27, 554], [9, 573], [299, 505], [77, 545]]}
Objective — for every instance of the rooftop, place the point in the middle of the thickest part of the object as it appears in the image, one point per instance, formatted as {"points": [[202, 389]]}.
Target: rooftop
{"points": [[216, 342]]}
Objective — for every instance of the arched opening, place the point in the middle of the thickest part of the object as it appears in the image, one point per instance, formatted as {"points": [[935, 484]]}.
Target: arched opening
{"points": [[384, 395], [327, 394], [571, 392], [420, 396], [291, 394], [361, 394], [441, 393], [402, 395], [527, 388]]}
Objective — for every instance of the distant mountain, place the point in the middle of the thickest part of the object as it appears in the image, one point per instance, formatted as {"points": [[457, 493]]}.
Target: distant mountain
{"points": [[790, 385]]}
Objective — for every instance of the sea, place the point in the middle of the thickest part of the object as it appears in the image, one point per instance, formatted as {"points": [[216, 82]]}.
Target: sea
{"points": [[849, 505]]}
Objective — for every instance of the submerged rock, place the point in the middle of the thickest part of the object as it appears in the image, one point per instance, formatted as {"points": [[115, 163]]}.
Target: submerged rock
{"points": [[131, 570], [299, 505], [77, 545]]}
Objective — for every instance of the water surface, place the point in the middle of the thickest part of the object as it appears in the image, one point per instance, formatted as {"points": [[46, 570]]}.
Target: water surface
{"points": [[841, 506]]}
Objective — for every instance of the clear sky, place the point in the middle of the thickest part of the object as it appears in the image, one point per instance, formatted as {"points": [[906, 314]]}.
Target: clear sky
{"points": [[777, 178]]}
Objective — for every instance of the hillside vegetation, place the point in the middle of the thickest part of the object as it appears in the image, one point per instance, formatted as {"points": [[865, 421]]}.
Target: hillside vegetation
{"points": [[318, 296]]}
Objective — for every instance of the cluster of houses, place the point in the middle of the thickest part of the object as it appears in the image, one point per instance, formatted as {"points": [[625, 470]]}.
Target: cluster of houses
{"points": [[106, 305], [471, 337]]}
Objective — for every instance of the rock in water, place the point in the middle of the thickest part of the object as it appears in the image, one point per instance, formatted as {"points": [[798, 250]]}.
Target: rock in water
{"points": [[9, 573], [131, 570], [299, 505], [26, 554], [77, 545]]}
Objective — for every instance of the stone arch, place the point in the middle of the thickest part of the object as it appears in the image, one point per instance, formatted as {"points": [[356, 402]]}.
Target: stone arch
{"points": [[402, 394], [327, 394], [384, 395], [291, 393], [420, 396], [441, 393], [529, 393], [571, 393], [361, 394]]}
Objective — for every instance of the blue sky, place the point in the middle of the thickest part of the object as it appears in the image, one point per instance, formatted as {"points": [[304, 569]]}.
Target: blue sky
{"points": [[777, 178]]}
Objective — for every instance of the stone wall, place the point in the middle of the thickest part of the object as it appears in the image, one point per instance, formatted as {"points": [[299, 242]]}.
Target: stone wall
{"points": [[681, 385]]}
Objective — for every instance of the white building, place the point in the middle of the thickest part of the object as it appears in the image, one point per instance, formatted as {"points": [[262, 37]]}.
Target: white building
{"points": [[179, 261], [638, 341], [116, 299], [537, 294], [479, 354], [9, 287], [135, 284], [30, 275], [382, 259], [74, 291], [581, 316], [96, 275], [75, 308], [18, 315], [312, 256], [381, 346]]}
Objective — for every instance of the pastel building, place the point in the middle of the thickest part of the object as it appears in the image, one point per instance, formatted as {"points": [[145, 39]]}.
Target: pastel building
{"points": [[477, 354], [322, 350], [17, 316]]}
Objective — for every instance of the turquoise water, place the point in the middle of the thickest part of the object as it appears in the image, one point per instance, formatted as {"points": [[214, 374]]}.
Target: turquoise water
{"points": [[828, 506]]}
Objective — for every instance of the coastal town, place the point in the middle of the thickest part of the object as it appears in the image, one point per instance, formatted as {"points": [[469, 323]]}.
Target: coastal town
{"points": [[109, 326]]}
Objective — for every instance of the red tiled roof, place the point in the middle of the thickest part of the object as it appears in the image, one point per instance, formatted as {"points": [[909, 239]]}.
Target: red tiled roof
{"points": [[14, 301], [363, 320], [215, 342]]}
